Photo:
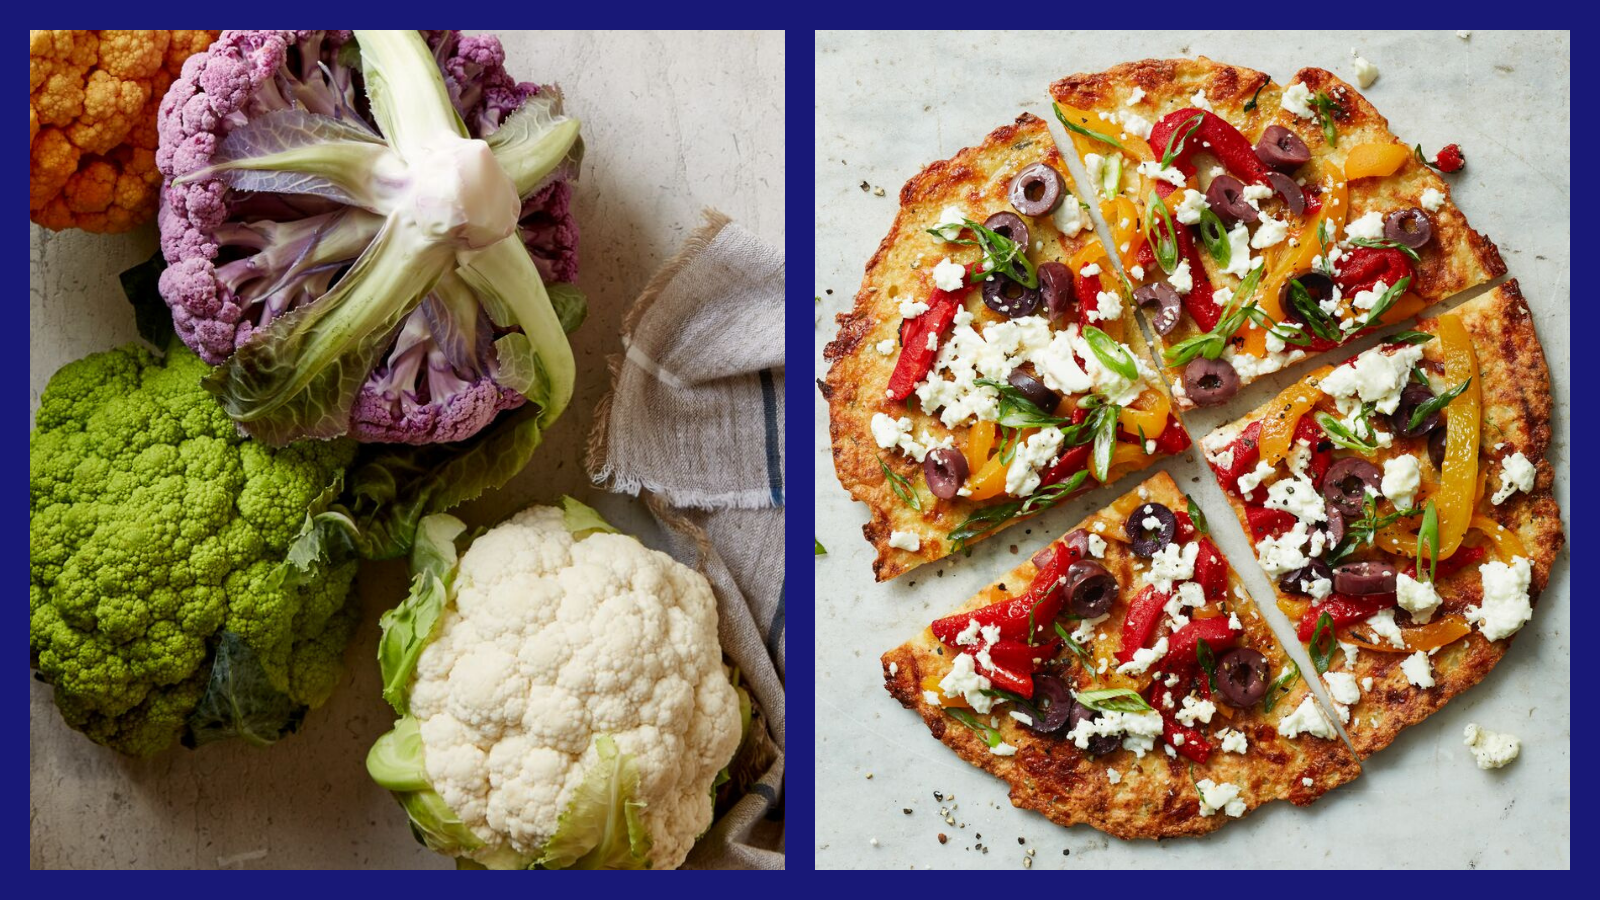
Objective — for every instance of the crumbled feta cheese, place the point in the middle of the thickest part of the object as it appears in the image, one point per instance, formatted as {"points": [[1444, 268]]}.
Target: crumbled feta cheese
{"points": [[931, 698], [969, 635], [1108, 307], [1113, 776], [910, 309], [1196, 711], [1224, 797], [1169, 174], [1505, 606], [932, 343], [1068, 217], [1094, 166], [1382, 624], [1239, 261], [1021, 716], [1136, 96], [1350, 653], [1090, 269], [1084, 633], [1097, 546], [1038, 451], [1342, 688], [1416, 597], [1374, 376], [1297, 100], [1190, 207], [1491, 749], [1137, 272], [1366, 683], [1003, 749], [1133, 123], [1143, 659], [1432, 199], [1368, 227], [1317, 588], [905, 540], [1233, 741], [1137, 729], [1307, 718], [1307, 781], [1516, 474], [950, 223], [1418, 670], [1224, 459], [1286, 552], [1402, 475], [1182, 281], [1366, 73], [949, 276], [965, 682], [1269, 233], [887, 347], [1249, 481], [1172, 563], [1299, 497]]}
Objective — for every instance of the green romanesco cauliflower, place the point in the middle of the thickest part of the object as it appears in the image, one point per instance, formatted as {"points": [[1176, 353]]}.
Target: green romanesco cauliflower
{"points": [[161, 599]]}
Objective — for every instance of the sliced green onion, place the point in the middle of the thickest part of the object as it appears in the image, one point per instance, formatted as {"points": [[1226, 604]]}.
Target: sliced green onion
{"points": [[1251, 104], [1166, 243], [1280, 685], [901, 487], [1410, 337], [1073, 126], [990, 736], [1175, 142], [1111, 177], [1342, 436], [1387, 245], [1429, 407], [1111, 353], [1325, 107], [1323, 643], [1375, 314], [1105, 440], [1429, 534], [821, 550], [1198, 518], [1215, 236], [1114, 700], [1208, 662], [1076, 648], [1321, 324]]}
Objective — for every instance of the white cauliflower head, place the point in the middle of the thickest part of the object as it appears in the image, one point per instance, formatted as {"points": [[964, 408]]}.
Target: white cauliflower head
{"points": [[552, 644]]}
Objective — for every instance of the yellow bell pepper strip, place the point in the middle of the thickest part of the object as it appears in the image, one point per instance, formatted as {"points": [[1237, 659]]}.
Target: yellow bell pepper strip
{"points": [[1283, 415], [1126, 457], [980, 440], [1077, 121], [1130, 236], [1506, 543], [1437, 633], [1149, 417], [1373, 160], [931, 683], [1404, 307], [988, 481], [1462, 421]]}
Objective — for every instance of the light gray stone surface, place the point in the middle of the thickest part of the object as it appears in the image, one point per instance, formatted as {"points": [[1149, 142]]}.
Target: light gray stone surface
{"points": [[888, 104], [673, 123]]}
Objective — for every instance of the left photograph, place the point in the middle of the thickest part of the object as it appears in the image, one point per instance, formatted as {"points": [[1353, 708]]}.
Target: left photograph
{"points": [[374, 402]]}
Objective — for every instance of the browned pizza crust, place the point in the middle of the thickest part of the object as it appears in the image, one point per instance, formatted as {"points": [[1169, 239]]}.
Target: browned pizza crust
{"points": [[1516, 415], [1155, 795], [976, 178], [1169, 84]]}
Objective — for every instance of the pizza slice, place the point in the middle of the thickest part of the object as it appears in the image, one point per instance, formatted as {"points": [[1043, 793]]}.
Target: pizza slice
{"points": [[1122, 677], [1401, 503], [991, 365], [1284, 222]]}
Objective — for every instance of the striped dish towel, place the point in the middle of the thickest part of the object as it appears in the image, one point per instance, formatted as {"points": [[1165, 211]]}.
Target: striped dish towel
{"points": [[694, 425]]}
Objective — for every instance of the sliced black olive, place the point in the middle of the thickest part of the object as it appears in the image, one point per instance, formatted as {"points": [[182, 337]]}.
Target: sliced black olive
{"points": [[1436, 447], [1011, 227], [1345, 486], [1055, 287], [1100, 744], [1037, 190], [1210, 381], [1408, 226], [1052, 704], [1412, 397], [1077, 543], [1366, 577], [1144, 540], [1226, 198], [1281, 148], [1008, 298], [1166, 301], [1090, 589], [1242, 677], [1034, 389], [1317, 286], [1291, 582], [1334, 527], [945, 468], [1293, 197]]}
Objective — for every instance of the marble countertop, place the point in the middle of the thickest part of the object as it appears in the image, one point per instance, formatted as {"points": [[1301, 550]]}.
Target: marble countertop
{"points": [[889, 104], [661, 146]]}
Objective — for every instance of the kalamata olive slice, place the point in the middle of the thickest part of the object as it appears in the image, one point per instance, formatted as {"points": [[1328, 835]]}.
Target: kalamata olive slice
{"points": [[1011, 227], [1210, 381], [1226, 198], [1334, 527], [1167, 305], [1281, 148], [1293, 197], [1052, 704], [1317, 286], [1146, 538], [1408, 226], [1295, 582], [1362, 578], [1077, 543], [1345, 486], [1242, 677], [1037, 190], [1008, 298], [1055, 288], [1100, 744], [1090, 589], [1436, 447], [945, 468], [1034, 389], [1412, 397]]}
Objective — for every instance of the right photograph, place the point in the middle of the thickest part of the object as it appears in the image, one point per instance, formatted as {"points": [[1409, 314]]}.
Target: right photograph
{"points": [[1192, 433]]}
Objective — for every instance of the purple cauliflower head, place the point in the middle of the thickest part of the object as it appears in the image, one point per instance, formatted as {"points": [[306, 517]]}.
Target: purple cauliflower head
{"points": [[254, 245]]}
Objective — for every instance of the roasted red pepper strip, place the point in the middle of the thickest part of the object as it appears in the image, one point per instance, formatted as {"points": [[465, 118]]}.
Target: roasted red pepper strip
{"points": [[1363, 267], [1199, 302], [1183, 646], [1012, 664], [1173, 438], [1213, 134], [1011, 616], [1210, 570], [1463, 557], [1145, 257], [1186, 529], [1073, 460], [1144, 613], [1309, 431], [1344, 610], [1194, 744], [1246, 454], [1450, 159], [915, 358], [1267, 522], [1088, 290]]}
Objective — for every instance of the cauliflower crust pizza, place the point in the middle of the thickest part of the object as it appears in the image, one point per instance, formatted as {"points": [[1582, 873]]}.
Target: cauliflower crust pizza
{"points": [[1123, 677], [1401, 503], [991, 365], [1280, 222]]}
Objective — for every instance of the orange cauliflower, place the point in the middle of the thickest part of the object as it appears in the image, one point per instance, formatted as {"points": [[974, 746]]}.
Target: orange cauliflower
{"points": [[92, 123]]}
